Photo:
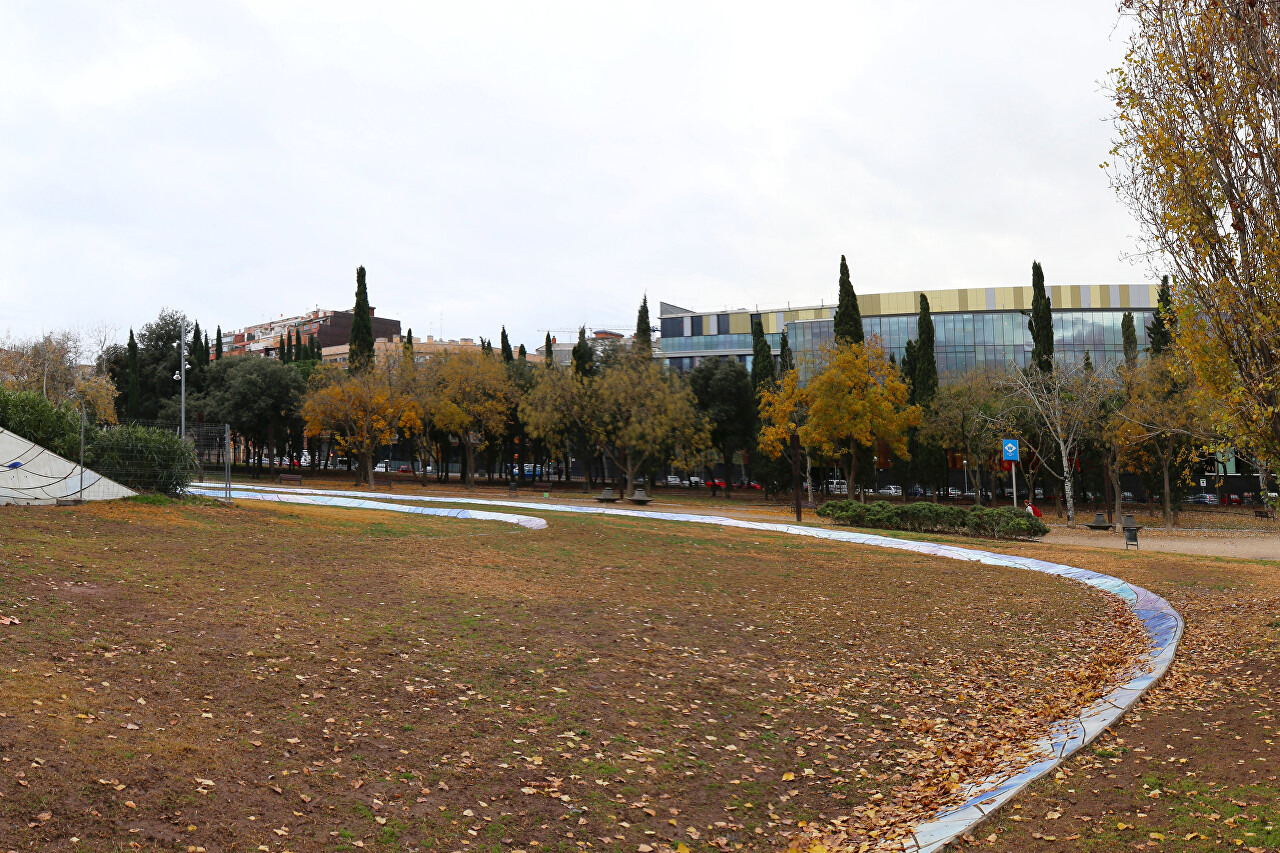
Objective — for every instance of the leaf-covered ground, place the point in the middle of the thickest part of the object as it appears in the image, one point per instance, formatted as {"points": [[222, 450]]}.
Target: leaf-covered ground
{"points": [[189, 677], [1194, 767]]}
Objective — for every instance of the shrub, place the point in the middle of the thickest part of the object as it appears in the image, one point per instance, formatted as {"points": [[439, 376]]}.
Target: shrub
{"points": [[30, 415], [143, 458], [925, 517]]}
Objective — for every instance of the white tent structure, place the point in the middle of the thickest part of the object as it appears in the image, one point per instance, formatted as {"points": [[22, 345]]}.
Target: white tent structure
{"points": [[29, 474]]}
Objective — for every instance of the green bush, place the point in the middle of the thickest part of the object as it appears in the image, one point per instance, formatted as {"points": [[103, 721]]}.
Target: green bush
{"points": [[30, 415], [926, 517], [143, 458]]}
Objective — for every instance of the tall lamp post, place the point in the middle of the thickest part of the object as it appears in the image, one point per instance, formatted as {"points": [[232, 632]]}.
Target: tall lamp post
{"points": [[966, 477], [181, 375]]}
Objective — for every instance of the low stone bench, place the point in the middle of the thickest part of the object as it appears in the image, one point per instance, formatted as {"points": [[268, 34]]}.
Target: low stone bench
{"points": [[639, 497], [1100, 522], [608, 496]]}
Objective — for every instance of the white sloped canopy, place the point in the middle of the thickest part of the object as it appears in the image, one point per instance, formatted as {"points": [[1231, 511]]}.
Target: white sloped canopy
{"points": [[29, 474]]}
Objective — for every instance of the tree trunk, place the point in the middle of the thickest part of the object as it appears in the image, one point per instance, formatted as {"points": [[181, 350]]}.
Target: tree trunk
{"points": [[1117, 495], [1066, 486], [470, 479], [1168, 498], [366, 462]]}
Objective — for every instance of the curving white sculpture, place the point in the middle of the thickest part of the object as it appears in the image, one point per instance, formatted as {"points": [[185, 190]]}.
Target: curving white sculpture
{"points": [[32, 475]]}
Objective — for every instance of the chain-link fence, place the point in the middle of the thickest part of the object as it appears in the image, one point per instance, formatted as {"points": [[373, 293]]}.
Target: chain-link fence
{"points": [[154, 456]]}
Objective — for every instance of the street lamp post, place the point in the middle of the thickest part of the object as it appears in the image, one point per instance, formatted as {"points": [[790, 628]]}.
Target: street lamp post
{"points": [[181, 375], [966, 476]]}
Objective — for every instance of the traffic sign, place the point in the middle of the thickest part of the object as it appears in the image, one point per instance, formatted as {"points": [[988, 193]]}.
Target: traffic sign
{"points": [[1010, 449]]}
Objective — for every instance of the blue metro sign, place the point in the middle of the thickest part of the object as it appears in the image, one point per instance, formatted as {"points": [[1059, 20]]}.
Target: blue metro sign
{"points": [[1010, 449]]}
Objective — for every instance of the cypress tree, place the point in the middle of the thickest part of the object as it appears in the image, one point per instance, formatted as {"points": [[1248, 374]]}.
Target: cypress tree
{"points": [[762, 372], [644, 331], [1088, 362], [407, 342], [313, 345], [583, 355], [286, 354], [786, 361], [848, 320], [507, 355], [924, 378], [1163, 321], [193, 348], [217, 345], [360, 353], [1129, 335], [547, 348], [204, 351], [521, 354], [133, 388], [920, 369], [1041, 322]]}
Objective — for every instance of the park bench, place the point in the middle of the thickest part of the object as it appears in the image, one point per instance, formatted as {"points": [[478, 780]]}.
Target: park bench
{"points": [[639, 497], [1264, 512], [1131, 529], [1100, 522], [295, 479], [607, 496]]}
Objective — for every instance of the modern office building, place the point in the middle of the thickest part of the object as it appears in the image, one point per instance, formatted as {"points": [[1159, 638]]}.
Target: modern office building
{"points": [[973, 327]]}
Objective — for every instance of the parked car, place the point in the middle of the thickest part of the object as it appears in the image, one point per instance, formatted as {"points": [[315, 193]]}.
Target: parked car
{"points": [[838, 487], [1127, 497], [404, 469], [890, 491], [694, 480], [1203, 499], [673, 479], [746, 484], [381, 467], [916, 492]]}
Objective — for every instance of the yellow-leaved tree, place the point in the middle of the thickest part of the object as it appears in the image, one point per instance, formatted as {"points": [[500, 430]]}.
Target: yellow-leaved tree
{"points": [[1197, 158], [360, 411], [468, 394], [638, 413], [854, 400]]}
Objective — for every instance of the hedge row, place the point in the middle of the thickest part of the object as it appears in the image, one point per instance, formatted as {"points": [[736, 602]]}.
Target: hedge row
{"points": [[926, 517]]}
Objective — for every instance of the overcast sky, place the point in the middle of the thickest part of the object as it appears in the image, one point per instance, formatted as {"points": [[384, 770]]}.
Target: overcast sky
{"points": [[542, 165]]}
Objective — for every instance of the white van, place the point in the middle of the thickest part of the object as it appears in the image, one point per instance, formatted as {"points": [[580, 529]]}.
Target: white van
{"points": [[837, 487]]}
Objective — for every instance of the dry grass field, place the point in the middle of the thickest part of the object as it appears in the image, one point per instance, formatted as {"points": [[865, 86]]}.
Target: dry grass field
{"points": [[189, 676]]}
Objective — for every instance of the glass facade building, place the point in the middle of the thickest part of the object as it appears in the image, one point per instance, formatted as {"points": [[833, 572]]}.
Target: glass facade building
{"points": [[973, 328]]}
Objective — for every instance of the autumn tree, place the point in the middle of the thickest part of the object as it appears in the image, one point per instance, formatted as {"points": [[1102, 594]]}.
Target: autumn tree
{"points": [[1163, 418], [556, 411], [358, 408], [469, 395], [855, 400], [1197, 159], [639, 412]]}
